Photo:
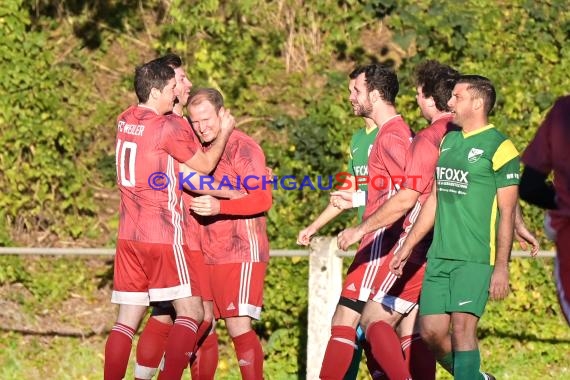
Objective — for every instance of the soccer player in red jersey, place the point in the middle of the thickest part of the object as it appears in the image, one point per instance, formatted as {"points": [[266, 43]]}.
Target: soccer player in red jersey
{"points": [[151, 262], [233, 232], [547, 153], [372, 95], [152, 342], [393, 301]]}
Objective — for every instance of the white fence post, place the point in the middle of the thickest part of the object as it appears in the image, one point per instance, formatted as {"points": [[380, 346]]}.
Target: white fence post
{"points": [[325, 283]]}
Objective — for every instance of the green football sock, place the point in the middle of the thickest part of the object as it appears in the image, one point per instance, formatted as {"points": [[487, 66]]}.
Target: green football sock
{"points": [[466, 365], [447, 362]]}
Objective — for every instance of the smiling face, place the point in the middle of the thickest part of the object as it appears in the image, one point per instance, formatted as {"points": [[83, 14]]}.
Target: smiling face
{"points": [[205, 120], [359, 99], [461, 103]]}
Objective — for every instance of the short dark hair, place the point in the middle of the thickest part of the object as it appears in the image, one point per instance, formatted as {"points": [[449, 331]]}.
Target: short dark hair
{"points": [[206, 94], [170, 59], [480, 87], [437, 81], [151, 75], [381, 78]]}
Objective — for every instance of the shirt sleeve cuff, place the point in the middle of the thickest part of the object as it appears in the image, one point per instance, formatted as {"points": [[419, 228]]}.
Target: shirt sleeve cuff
{"points": [[358, 198]]}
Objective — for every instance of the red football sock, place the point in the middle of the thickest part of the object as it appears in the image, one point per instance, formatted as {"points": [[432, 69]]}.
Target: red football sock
{"points": [[206, 359], [179, 346], [202, 334], [376, 372], [250, 355], [117, 351], [387, 351], [338, 353], [150, 348], [420, 360]]}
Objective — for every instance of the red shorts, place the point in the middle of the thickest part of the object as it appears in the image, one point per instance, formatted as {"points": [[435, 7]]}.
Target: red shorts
{"points": [[368, 260], [398, 293], [197, 258], [149, 272], [237, 289]]}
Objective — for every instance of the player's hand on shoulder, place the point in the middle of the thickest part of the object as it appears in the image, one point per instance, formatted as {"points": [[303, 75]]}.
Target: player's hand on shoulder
{"points": [[205, 205]]}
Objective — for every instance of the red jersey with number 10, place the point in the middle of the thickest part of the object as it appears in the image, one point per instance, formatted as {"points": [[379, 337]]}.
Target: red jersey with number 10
{"points": [[148, 151]]}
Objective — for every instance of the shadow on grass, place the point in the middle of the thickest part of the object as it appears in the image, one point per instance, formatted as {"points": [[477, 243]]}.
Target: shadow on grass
{"points": [[519, 336]]}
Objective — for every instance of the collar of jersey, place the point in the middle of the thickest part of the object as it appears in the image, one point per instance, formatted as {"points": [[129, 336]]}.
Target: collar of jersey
{"points": [[148, 108], [477, 131], [369, 131]]}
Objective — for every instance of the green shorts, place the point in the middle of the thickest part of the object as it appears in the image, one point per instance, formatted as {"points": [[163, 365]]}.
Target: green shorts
{"points": [[455, 286]]}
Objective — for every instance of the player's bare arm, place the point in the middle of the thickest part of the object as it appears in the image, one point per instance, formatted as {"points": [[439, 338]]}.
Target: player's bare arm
{"points": [[206, 161], [525, 238], [423, 225], [507, 200], [332, 210], [392, 210], [344, 199], [328, 214]]}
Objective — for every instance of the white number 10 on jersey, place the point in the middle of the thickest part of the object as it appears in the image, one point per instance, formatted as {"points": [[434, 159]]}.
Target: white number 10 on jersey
{"points": [[125, 156]]}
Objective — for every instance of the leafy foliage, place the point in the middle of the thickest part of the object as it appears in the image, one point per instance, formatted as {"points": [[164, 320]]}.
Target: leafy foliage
{"points": [[67, 72]]}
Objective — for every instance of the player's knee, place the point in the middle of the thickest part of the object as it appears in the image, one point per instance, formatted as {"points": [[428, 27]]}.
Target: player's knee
{"points": [[189, 307], [238, 325], [376, 311], [464, 333], [348, 312], [208, 312], [432, 336], [208, 317], [367, 319]]}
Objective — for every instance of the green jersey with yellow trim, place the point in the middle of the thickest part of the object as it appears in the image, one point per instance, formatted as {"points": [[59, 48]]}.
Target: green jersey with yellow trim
{"points": [[360, 146], [470, 169]]}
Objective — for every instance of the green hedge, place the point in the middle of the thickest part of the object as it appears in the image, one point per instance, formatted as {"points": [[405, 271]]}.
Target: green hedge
{"points": [[67, 72]]}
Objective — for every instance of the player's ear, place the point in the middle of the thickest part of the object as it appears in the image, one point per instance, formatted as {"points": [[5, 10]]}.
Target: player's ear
{"points": [[430, 102], [374, 96], [478, 103], [154, 93]]}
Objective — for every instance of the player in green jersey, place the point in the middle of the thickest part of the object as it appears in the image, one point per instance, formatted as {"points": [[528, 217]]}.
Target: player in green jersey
{"points": [[360, 146], [473, 208]]}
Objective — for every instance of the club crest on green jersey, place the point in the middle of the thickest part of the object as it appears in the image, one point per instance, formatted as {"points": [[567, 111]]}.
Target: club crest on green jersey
{"points": [[474, 155]]}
